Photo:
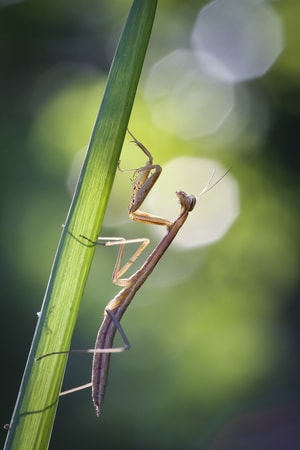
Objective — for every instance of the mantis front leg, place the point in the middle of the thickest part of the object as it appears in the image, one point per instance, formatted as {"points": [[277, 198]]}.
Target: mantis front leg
{"points": [[145, 178]]}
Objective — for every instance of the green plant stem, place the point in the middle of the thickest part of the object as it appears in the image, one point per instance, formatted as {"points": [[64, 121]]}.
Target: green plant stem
{"points": [[34, 413]]}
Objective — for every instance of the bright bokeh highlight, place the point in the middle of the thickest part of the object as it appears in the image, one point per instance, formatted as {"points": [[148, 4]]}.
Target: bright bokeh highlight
{"points": [[183, 98], [191, 92], [237, 41], [215, 210]]}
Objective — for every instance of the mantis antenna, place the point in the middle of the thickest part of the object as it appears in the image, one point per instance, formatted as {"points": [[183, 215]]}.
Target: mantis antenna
{"points": [[208, 185]]}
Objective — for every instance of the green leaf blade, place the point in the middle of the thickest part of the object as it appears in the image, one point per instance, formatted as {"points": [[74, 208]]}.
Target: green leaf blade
{"points": [[34, 413]]}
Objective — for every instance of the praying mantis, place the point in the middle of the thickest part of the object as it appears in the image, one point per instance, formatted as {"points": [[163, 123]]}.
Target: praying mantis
{"points": [[145, 178]]}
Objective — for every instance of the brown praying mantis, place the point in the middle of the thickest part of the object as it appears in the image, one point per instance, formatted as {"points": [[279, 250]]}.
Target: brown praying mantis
{"points": [[145, 177]]}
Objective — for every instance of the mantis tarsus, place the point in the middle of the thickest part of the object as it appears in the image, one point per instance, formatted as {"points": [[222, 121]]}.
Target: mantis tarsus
{"points": [[146, 176]]}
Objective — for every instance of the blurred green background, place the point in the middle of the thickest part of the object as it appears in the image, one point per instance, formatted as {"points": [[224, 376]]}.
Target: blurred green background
{"points": [[214, 361]]}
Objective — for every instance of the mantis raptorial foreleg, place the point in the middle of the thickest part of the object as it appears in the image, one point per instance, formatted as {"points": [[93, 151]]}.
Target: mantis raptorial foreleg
{"points": [[144, 179]]}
